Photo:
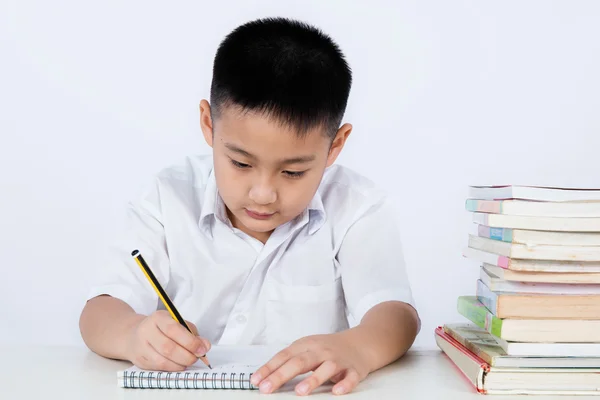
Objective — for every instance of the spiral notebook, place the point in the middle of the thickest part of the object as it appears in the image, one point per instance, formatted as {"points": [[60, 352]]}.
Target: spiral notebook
{"points": [[232, 368]]}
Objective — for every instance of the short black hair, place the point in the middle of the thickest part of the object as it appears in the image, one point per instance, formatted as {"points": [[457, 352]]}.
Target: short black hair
{"points": [[286, 69]]}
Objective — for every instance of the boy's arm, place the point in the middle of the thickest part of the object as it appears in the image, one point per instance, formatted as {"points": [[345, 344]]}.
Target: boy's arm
{"points": [[388, 329], [120, 319], [384, 334], [111, 328], [105, 324], [377, 294]]}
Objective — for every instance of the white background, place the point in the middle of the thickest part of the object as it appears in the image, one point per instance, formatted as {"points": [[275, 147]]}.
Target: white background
{"points": [[95, 97]]}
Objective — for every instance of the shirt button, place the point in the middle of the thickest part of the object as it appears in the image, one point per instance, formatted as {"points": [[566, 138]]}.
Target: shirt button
{"points": [[241, 319]]}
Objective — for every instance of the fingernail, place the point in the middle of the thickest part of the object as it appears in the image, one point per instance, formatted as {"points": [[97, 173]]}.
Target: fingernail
{"points": [[339, 390], [206, 344], [265, 387], [255, 379], [302, 388]]}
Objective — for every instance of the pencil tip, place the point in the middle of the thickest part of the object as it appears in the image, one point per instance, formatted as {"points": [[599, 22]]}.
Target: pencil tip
{"points": [[209, 366]]}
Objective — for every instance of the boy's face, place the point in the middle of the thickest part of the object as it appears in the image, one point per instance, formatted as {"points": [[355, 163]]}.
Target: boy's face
{"points": [[265, 173]]}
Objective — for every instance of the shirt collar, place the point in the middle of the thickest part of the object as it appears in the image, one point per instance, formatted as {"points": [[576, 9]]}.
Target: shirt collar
{"points": [[213, 207], [316, 213]]}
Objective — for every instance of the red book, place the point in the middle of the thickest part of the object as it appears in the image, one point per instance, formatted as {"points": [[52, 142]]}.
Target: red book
{"points": [[487, 379]]}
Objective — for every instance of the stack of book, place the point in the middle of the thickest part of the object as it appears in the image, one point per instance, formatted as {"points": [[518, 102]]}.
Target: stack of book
{"points": [[534, 319]]}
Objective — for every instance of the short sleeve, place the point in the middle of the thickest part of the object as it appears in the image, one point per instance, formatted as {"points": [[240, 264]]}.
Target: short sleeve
{"points": [[372, 263], [118, 273]]}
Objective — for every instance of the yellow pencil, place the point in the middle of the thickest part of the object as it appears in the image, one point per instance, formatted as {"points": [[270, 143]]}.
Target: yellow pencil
{"points": [[163, 296]]}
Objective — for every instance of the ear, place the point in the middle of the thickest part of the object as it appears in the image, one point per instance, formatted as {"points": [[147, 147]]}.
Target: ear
{"points": [[338, 143], [206, 123]]}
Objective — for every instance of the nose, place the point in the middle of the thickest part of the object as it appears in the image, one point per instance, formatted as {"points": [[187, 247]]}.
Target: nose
{"points": [[263, 192]]}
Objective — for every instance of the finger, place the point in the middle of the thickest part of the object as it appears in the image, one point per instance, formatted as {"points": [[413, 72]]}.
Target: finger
{"points": [[192, 328], [275, 362], [347, 384], [337, 377], [324, 372], [170, 349], [299, 364], [157, 361], [176, 332], [207, 344]]}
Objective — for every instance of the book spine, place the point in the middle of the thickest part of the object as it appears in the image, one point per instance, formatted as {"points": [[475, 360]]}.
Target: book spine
{"points": [[492, 207], [454, 345], [488, 298], [487, 258], [470, 346], [503, 234], [476, 312]]}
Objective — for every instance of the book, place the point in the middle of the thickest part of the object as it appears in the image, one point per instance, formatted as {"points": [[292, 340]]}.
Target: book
{"points": [[528, 330], [487, 379], [517, 264], [523, 349], [538, 306], [534, 238], [233, 367], [534, 193], [543, 277], [538, 223], [484, 345], [534, 208], [497, 284], [540, 252]]}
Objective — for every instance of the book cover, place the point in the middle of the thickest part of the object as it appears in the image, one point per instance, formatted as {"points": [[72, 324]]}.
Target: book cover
{"points": [[504, 380], [529, 330], [475, 311], [584, 278], [536, 238], [537, 223], [539, 306], [502, 234], [533, 193], [497, 284], [484, 345], [530, 265], [522, 349], [488, 298], [540, 252], [535, 208]]}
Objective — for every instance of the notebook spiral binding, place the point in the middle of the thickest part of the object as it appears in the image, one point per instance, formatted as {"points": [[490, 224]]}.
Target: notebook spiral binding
{"points": [[187, 380]]}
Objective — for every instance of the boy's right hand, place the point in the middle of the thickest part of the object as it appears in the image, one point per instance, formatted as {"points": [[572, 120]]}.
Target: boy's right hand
{"points": [[158, 342]]}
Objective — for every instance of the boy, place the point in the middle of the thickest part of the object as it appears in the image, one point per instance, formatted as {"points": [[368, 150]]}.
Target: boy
{"points": [[262, 243]]}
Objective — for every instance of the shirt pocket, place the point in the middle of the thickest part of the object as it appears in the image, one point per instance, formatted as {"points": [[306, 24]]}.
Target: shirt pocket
{"points": [[295, 311]]}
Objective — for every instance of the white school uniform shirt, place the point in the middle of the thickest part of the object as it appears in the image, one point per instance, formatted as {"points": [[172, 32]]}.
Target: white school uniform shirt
{"points": [[319, 273]]}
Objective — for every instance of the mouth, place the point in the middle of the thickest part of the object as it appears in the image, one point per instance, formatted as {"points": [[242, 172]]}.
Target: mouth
{"points": [[257, 215]]}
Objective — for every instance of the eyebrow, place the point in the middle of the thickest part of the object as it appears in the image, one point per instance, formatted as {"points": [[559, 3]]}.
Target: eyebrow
{"points": [[292, 160], [239, 150]]}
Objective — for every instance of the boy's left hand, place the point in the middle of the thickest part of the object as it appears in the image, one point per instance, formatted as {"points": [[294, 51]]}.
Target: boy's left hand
{"points": [[335, 357]]}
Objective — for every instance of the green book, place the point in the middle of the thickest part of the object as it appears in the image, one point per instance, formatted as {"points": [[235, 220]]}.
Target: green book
{"points": [[529, 330], [472, 309]]}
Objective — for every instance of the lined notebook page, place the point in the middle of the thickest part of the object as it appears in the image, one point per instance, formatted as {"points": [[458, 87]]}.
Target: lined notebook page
{"points": [[232, 369]]}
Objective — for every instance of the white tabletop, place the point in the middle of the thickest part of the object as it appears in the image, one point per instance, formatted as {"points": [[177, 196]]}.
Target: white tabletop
{"points": [[76, 373]]}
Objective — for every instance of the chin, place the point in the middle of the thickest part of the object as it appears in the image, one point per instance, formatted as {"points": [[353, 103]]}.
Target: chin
{"points": [[260, 226]]}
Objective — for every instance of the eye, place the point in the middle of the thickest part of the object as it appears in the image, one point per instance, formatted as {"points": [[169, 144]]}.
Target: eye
{"points": [[239, 164], [294, 174]]}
